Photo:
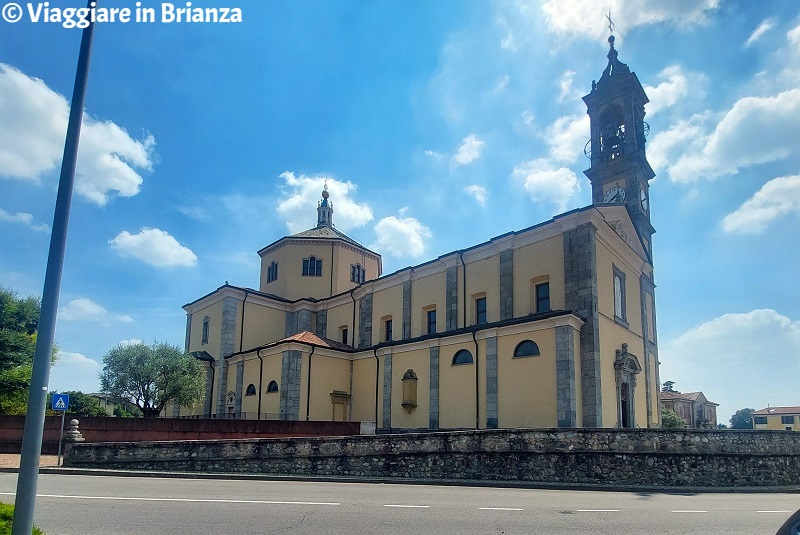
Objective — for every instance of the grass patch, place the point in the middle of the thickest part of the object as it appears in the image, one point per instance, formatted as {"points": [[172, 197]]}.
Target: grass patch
{"points": [[7, 516]]}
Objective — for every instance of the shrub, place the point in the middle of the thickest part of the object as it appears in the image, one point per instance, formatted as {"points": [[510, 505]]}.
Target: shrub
{"points": [[7, 516]]}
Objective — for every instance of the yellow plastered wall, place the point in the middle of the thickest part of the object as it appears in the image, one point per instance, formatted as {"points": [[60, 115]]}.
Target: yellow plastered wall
{"points": [[527, 386], [327, 374], [262, 325], [426, 291], [214, 313], [483, 277], [363, 399], [420, 362], [545, 258], [457, 387], [271, 402], [654, 389], [338, 315], [344, 258], [606, 261], [250, 403], [387, 302]]}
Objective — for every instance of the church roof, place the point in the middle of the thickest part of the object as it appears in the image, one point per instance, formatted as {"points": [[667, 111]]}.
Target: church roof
{"points": [[777, 410], [308, 337], [325, 232]]}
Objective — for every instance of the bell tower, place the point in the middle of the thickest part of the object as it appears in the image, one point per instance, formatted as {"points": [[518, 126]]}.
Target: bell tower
{"points": [[619, 171]]}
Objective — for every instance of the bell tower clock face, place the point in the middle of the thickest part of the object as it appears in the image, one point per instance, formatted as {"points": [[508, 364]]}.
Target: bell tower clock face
{"points": [[615, 194], [643, 199]]}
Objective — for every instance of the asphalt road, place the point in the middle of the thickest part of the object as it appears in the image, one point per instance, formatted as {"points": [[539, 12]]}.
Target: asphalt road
{"points": [[102, 505]]}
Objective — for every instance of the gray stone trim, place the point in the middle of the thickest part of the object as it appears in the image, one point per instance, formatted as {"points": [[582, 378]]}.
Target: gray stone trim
{"points": [[222, 386], [365, 321], [433, 419], [507, 284], [228, 327], [290, 326], [387, 392], [565, 377], [237, 408], [208, 403], [322, 324], [305, 319], [451, 299], [291, 362], [580, 288], [406, 310], [491, 383], [188, 332]]}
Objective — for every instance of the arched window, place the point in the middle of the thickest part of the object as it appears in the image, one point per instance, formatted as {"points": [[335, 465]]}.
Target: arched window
{"points": [[526, 348], [251, 390], [205, 330], [272, 387], [462, 356]]}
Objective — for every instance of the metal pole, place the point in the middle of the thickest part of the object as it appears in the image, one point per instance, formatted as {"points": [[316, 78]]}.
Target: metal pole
{"points": [[61, 437], [27, 480]]}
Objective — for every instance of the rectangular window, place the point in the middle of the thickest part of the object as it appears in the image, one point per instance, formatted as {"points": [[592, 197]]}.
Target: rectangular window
{"points": [[305, 267], [431, 316], [480, 310], [357, 273], [312, 267], [272, 272], [759, 419], [543, 297], [620, 312], [344, 336], [787, 419], [205, 330], [388, 329]]}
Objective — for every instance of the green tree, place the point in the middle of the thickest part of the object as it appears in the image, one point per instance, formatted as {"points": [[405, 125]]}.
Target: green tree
{"points": [[80, 404], [668, 386], [152, 376], [671, 420], [742, 419], [19, 319]]}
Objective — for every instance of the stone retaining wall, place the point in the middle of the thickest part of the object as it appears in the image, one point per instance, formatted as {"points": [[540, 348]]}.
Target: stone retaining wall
{"points": [[647, 457]]}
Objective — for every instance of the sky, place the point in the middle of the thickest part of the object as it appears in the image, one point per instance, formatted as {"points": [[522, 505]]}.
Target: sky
{"points": [[437, 125]]}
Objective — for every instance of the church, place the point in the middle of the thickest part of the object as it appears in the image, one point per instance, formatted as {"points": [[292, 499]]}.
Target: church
{"points": [[550, 326]]}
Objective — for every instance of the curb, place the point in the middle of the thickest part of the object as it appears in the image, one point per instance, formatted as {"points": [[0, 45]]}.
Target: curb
{"points": [[408, 481]]}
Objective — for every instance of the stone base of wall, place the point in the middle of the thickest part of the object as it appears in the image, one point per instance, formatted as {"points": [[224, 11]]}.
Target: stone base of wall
{"points": [[646, 457]]}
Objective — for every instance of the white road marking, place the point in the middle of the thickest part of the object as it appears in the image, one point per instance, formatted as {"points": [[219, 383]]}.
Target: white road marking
{"points": [[190, 500], [687, 511], [499, 509], [597, 510], [784, 511], [407, 506]]}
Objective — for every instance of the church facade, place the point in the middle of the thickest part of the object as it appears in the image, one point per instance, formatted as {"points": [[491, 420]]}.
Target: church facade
{"points": [[549, 326]]}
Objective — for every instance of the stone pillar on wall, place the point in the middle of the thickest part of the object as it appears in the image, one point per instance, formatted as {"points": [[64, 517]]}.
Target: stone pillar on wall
{"points": [[226, 349], [507, 284], [433, 419], [237, 408], [365, 321], [580, 288], [565, 377], [451, 298], [290, 324], [305, 320], [291, 362], [491, 383], [208, 404], [188, 332], [387, 392], [406, 310], [322, 324]]}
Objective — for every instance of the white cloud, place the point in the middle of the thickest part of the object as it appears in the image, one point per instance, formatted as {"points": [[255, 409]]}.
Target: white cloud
{"points": [[669, 92], [565, 85], [33, 125], [760, 30], [779, 196], [129, 342], [502, 84], [737, 360], [469, 151], [478, 193], [301, 195], [546, 184], [87, 310], [755, 130], [24, 218], [567, 137], [155, 247], [580, 17], [684, 136], [527, 117], [403, 237], [73, 371], [433, 154]]}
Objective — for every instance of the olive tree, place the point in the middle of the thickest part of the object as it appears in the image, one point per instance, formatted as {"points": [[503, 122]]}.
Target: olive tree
{"points": [[152, 376]]}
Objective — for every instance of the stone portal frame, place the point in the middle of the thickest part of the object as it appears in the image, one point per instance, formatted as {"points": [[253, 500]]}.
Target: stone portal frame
{"points": [[626, 368]]}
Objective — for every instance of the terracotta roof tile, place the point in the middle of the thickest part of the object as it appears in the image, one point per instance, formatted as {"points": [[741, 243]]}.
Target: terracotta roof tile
{"points": [[777, 410], [310, 338]]}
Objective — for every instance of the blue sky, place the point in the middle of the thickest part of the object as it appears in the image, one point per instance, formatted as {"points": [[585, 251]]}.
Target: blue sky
{"points": [[437, 126]]}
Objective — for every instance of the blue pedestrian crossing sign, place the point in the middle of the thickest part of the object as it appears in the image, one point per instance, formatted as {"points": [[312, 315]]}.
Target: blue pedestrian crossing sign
{"points": [[60, 402]]}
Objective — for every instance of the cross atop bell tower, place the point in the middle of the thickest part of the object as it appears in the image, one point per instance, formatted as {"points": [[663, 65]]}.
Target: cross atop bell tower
{"points": [[619, 171]]}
